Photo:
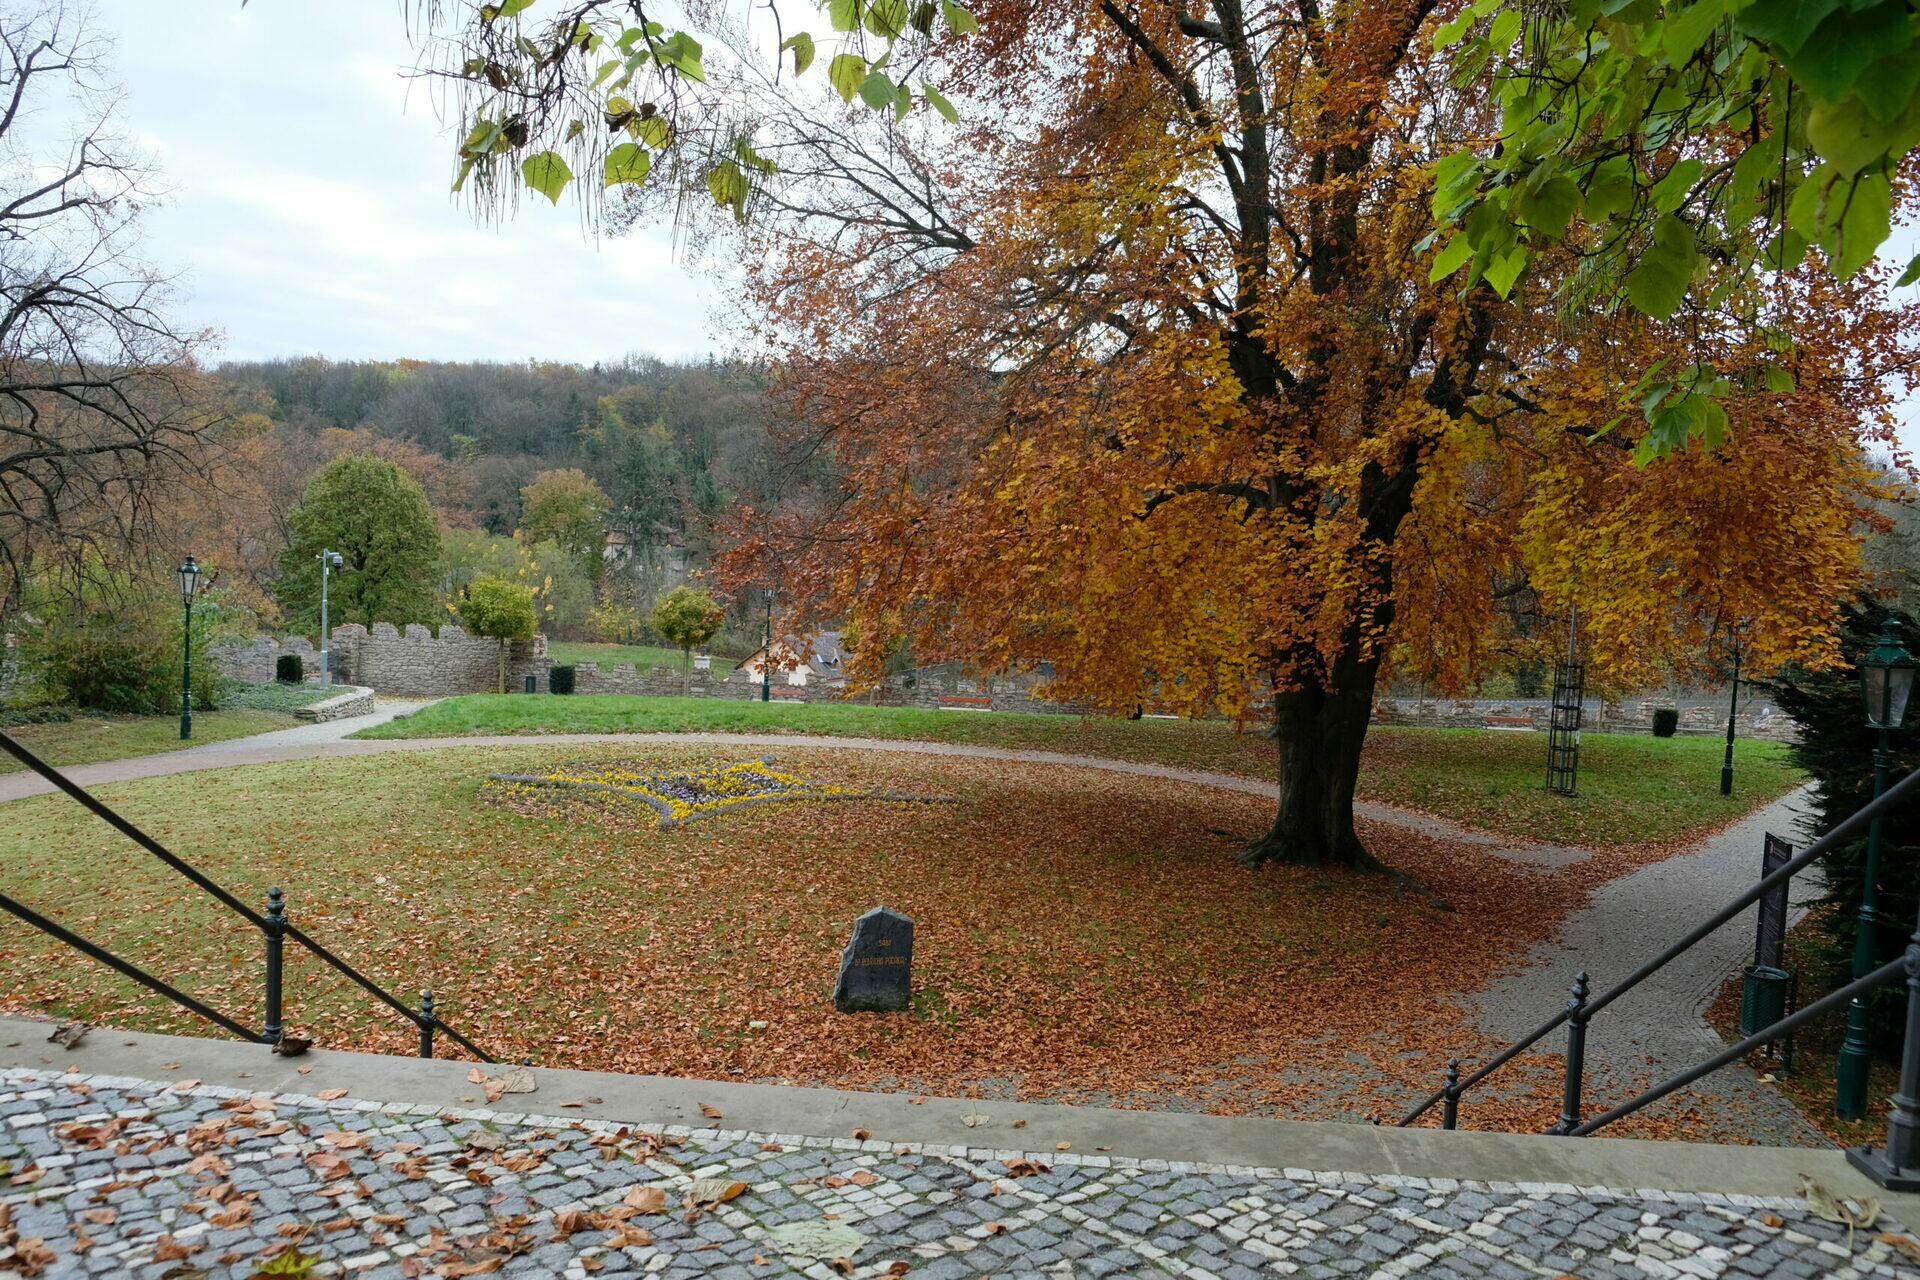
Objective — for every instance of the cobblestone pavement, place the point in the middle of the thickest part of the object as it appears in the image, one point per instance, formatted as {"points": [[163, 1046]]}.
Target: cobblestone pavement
{"points": [[115, 1176]]}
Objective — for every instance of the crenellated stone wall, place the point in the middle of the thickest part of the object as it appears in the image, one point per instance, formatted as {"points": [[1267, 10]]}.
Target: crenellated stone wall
{"points": [[927, 687], [255, 660], [418, 662]]}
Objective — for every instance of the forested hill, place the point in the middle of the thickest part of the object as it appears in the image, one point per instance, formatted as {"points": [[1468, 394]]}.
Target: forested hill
{"points": [[671, 444]]}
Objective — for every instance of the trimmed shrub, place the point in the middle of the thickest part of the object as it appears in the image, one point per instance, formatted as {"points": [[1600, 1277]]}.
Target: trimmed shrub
{"points": [[1666, 721], [560, 679], [289, 669]]}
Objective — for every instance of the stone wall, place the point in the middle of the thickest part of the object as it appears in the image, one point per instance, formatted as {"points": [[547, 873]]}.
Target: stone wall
{"points": [[255, 660], [418, 662], [352, 700], [928, 687], [1696, 719]]}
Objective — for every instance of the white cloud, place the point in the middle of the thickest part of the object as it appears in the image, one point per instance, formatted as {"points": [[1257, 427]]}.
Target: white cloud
{"points": [[308, 208]]}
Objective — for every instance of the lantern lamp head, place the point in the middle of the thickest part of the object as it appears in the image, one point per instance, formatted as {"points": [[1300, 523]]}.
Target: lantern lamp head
{"points": [[1886, 678], [189, 578]]}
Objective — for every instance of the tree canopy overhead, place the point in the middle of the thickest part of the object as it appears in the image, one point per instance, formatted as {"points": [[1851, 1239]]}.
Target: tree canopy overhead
{"points": [[1677, 148], [1163, 368]]}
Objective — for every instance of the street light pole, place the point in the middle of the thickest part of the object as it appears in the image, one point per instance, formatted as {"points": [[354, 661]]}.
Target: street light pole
{"points": [[1887, 680], [1733, 709], [189, 583], [766, 655], [329, 560]]}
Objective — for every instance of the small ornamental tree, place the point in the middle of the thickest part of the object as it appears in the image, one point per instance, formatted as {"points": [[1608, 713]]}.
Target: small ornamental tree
{"points": [[688, 616], [499, 608]]}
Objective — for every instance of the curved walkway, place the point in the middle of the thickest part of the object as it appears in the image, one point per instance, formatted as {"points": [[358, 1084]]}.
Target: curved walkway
{"points": [[1627, 920], [312, 742]]}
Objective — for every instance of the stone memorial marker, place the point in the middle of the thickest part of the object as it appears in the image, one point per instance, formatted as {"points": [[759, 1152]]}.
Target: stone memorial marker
{"points": [[876, 969]]}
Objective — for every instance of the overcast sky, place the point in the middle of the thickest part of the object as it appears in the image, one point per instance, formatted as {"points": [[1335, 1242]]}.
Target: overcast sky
{"points": [[308, 210]]}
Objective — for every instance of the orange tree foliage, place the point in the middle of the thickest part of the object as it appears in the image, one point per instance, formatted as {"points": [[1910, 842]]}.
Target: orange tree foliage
{"points": [[1143, 373]]}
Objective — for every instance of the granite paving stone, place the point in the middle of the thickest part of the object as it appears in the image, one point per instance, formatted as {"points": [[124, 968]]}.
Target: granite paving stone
{"points": [[113, 1176]]}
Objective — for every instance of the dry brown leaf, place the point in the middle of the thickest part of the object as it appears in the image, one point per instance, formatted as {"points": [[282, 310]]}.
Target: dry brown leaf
{"points": [[1906, 1246], [167, 1249], [712, 1112], [331, 1095], [862, 1134], [862, 1178], [646, 1199]]}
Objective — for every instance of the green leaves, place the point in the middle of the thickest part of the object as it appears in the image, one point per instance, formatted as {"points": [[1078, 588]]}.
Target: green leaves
{"points": [[1832, 59], [629, 163], [959, 21], [729, 186], [802, 47], [681, 52], [1548, 206], [877, 91], [1785, 24], [1451, 258], [846, 73], [547, 173], [939, 102], [1659, 280], [844, 14], [887, 18]]}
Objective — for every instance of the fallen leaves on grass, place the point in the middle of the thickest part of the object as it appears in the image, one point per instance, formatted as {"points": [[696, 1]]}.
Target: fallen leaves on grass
{"points": [[1077, 930]]}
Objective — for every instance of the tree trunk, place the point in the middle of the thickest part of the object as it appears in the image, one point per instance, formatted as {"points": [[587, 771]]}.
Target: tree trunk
{"points": [[503, 667], [686, 670], [1319, 732]]}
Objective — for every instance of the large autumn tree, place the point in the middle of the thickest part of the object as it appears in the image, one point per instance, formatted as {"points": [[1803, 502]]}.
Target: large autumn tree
{"points": [[1153, 370]]}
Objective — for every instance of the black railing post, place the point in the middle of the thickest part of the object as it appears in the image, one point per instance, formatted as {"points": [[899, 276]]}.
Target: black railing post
{"points": [[1450, 1096], [1576, 1057], [274, 928], [1896, 1166], [426, 1019]]}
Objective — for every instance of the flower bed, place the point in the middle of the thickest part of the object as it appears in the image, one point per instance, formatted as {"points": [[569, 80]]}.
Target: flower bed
{"points": [[688, 795]]}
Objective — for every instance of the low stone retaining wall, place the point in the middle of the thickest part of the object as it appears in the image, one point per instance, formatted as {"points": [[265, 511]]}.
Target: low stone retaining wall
{"points": [[351, 700], [929, 688], [1696, 720]]}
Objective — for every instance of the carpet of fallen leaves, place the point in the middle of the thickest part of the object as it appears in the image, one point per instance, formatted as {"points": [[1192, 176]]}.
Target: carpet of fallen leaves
{"points": [[1080, 935]]}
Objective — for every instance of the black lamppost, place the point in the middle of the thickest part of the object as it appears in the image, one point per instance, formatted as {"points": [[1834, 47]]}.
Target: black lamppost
{"points": [[766, 656], [1886, 678], [1733, 710], [189, 583]]}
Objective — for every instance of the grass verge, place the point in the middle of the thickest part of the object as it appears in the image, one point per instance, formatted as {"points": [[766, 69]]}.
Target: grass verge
{"points": [[1633, 789], [87, 738]]}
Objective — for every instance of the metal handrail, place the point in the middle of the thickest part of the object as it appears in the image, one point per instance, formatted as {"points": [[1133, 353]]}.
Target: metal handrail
{"points": [[1899, 791], [1792, 1022], [273, 924], [22, 911]]}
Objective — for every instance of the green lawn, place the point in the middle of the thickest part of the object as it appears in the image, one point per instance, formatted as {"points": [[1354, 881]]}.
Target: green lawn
{"points": [[1633, 789], [640, 655], [1077, 929], [86, 739]]}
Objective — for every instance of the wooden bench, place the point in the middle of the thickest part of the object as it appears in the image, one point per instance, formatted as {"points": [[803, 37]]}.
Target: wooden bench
{"points": [[1509, 722], [966, 703]]}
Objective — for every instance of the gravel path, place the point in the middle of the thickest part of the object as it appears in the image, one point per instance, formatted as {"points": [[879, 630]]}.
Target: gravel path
{"points": [[1641, 1039], [115, 1176], [1660, 1027]]}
